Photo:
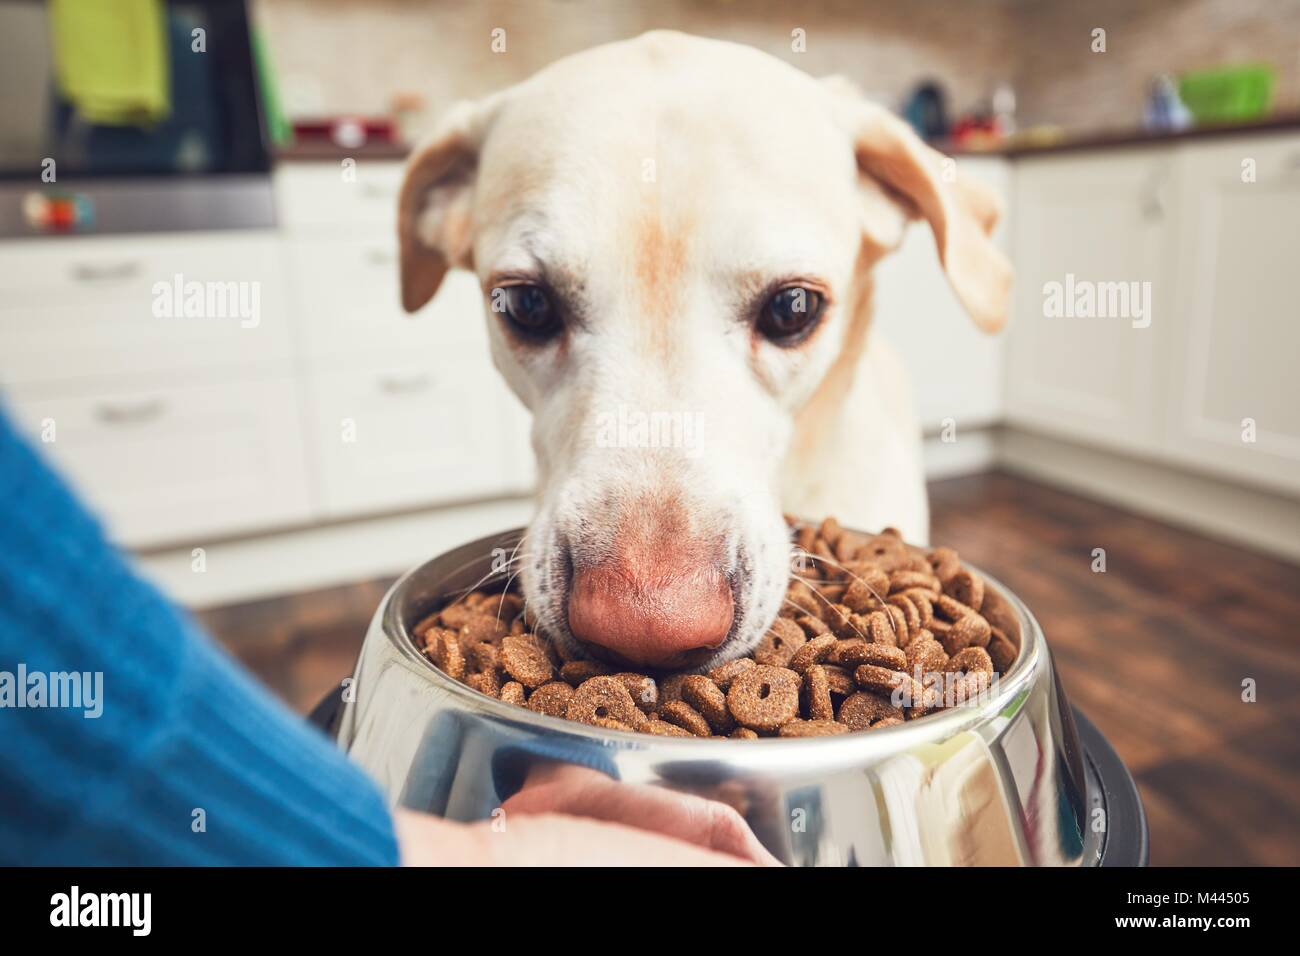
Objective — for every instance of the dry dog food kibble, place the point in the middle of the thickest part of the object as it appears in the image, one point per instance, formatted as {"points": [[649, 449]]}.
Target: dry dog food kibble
{"points": [[604, 699], [764, 697], [524, 657], [551, 699], [872, 634]]}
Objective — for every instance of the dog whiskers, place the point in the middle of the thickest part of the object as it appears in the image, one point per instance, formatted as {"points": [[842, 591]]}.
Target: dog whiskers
{"points": [[514, 559], [883, 599], [829, 603], [495, 572]]}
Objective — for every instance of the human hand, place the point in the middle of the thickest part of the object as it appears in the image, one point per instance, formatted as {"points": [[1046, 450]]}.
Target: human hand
{"points": [[545, 839], [571, 816], [580, 792]]}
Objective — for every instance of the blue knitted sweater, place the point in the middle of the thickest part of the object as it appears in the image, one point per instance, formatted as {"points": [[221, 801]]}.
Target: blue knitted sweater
{"points": [[188, 760]]}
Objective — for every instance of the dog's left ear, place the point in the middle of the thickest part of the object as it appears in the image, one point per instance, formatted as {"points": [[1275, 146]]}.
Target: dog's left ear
{"points": [[926, 184], [436, 201]]}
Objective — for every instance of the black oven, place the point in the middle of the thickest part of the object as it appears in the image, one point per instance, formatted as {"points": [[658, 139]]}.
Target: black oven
{"points": [[130, 116]]}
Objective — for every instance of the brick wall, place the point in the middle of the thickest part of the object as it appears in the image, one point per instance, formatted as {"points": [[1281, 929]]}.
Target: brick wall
{"points": [[353, 55]]}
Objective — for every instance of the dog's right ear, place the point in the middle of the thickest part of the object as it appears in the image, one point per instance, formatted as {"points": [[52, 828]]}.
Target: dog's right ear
{"points": [[961, 212], [435, 204]]}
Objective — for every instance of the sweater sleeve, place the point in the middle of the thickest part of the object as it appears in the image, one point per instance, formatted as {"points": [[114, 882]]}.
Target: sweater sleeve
{"points": [[180, 758]]}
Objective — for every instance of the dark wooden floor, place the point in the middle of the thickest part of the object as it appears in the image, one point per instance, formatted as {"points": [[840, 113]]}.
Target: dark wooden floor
{"points": [[1154, 650]]}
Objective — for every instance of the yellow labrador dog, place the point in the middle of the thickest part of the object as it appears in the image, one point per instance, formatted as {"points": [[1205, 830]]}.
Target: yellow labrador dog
{"points": [[675, 239]]}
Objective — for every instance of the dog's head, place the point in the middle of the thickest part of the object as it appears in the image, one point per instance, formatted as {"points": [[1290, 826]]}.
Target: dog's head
{"points": [[673, 236]]}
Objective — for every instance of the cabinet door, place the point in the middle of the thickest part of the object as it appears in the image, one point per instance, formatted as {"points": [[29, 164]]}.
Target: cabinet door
{"points": [[177, 464], [1096, 221], [1239, 312]]}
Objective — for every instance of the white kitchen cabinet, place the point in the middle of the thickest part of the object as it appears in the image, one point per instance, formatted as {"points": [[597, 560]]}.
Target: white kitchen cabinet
{"points": [[1223, 326], [1093, 219], [420, 433], [347, 293], [80, 309], [1238, 312], [407, 410], [176, 415], [176, 465], [956, 370]]}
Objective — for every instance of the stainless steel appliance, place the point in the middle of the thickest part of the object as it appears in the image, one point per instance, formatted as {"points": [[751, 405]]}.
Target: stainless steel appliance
{"points": [[111, 149]]}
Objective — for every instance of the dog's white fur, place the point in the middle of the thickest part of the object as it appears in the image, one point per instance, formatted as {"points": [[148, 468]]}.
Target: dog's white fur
{"points": [[661, 185]]}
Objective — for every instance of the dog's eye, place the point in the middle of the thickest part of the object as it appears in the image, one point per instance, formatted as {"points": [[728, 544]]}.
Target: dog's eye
{"points": [[790, 315], [528, 309]]}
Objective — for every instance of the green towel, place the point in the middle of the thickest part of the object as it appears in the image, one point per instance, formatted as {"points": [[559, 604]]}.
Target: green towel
{"points": [[111, 59], [277, 124]]}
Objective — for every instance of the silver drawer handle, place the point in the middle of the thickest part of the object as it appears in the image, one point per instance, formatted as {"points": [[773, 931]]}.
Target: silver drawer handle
{"points": [[105, 272], [130, 413], [1153, 199], [405, 384], [376, 191], [381, 257]]}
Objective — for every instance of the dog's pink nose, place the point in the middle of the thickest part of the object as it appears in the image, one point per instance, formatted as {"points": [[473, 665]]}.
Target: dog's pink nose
{"points": [[650, 615]]}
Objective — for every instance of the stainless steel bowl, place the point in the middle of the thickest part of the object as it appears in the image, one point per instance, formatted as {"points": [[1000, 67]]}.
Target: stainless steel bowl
{"points": [[1001, 782]]}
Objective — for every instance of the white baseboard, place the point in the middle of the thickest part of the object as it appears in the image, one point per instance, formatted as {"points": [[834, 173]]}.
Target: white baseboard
{"points": [[1248, 516], [973, 451], [325, 555]]}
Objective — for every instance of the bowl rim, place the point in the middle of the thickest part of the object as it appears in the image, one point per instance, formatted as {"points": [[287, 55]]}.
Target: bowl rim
{"points": [[1029, 663]]}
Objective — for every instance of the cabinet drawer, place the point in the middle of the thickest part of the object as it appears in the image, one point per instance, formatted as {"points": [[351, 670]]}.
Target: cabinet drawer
{"points": [[95, 309], [318, 195], [347, 292], [176, 465], [411, 436]]}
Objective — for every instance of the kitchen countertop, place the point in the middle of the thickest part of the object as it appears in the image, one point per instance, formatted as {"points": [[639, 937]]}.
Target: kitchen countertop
{"points": [[1124, 138], [326, 152], [1067, 143]]}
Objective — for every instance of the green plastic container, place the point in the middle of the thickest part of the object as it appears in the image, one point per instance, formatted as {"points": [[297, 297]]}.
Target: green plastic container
{"points": [[1228, 95]]}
